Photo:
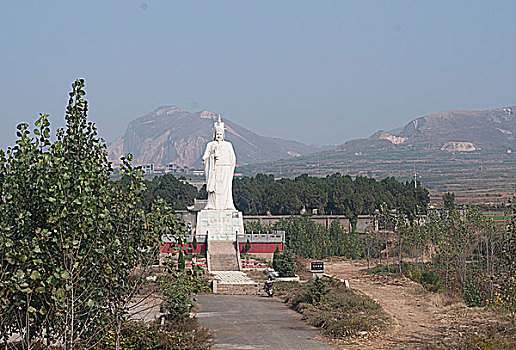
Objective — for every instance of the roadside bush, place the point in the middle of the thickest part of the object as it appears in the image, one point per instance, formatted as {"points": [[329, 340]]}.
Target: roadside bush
{"points": [[141, 336], [318, 289], [347, 300], [284, 264], [328, 305], [482, 342], [295, 294], [425, 276], [178, 288], [428, 278], [347, 326]]}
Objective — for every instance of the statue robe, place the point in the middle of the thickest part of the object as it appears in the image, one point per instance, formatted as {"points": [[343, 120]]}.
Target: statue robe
{"points": [[219, 166]]}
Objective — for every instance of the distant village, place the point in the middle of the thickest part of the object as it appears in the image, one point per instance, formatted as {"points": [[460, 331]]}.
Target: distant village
{"points": [[172, 168]]}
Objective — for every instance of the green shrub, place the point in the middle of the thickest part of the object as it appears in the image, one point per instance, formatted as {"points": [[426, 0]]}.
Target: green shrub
{"points": [[328, 305], [318, 289], [348, 300], [177, 290], [181, 260], [141, 336], [285, 265], [276, 258], [425, 276], [194, 244], [431, 281], [473, 295], [347, 326]]}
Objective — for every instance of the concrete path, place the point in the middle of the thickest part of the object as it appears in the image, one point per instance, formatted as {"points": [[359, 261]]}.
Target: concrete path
{"points": [[255, 322], [232, 277], [145, 309]]}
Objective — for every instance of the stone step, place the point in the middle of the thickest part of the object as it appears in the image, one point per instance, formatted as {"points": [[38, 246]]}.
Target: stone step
{"points": [[232, 277], [223, 262], [223, 256], [222, 247], [235, 282]]}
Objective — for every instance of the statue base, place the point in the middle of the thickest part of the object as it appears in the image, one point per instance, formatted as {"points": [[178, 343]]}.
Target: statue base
{"points": [[221, 228], [220, 225]]}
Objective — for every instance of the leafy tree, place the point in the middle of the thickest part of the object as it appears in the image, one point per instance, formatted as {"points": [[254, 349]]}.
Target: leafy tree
{"points": [[194, 244], [344, 243], [449, 200], [276, 258], [181, 260], [318, 289], [177, 289], [70, 239], [25, 305], [286, 266], [388, 224], [247, 247], [174, 192]]}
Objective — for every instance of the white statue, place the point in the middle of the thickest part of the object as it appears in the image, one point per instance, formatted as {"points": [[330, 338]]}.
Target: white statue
{"points": [[219, 165]]}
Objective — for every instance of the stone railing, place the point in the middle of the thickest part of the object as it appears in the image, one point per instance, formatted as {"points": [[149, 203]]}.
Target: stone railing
{"points": [[273, 237]]}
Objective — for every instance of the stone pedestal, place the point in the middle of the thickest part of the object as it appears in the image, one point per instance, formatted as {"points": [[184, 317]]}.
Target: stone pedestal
{"points": [[220, 225]]}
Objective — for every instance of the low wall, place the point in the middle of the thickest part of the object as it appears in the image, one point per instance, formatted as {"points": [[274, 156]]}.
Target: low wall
{"points": [[325, 220], [262, 248], [256, 248], [188, 248]]}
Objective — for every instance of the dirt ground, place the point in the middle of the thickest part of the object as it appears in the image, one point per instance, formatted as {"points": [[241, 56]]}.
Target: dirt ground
{"points": [[421, 320]]}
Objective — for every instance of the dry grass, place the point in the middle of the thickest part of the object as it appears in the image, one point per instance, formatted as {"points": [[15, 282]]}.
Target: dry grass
{"points": [[339, 312]]}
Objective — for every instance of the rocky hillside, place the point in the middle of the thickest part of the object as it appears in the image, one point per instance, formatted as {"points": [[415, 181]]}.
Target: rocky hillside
{"points": [[472, 153], [452, 131], [172, 135]]}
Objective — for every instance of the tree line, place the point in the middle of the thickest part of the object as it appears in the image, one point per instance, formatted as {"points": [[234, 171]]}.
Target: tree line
{"points": [[460, 252], [307, 238], [334, 194]]}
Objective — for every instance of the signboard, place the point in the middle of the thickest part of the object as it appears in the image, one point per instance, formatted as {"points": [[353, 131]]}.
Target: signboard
{"points": [[317, 266]]}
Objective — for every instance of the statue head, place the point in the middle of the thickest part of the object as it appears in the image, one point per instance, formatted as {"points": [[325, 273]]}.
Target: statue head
{"points": [[219, 130]]}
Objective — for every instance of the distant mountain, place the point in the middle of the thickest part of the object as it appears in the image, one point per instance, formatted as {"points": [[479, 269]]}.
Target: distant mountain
{"points": [[172, 135], [474, 129], [472, 153]]}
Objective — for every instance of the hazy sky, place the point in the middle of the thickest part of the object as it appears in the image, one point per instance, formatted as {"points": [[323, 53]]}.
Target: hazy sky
{"points": [[314, 71]]}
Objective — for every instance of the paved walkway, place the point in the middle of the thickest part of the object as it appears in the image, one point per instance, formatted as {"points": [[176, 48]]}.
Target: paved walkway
{"points": [[146, 309], [232, 277], [255, 322]]}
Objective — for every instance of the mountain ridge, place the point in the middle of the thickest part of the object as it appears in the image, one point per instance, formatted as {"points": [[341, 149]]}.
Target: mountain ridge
{"points": [[169, 134], [469, 152]]}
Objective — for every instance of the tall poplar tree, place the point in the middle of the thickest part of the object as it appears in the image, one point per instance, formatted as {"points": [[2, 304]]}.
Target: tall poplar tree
{"points": [[74, 245]]}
